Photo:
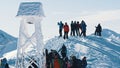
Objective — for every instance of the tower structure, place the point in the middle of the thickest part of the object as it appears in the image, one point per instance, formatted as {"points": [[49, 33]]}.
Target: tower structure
{"points": [[30, 41]]}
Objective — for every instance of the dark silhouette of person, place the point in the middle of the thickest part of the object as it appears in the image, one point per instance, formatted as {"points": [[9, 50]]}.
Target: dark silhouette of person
{"points": [[47, 59], [50, 59], [66, 30], [60, 24], [84, 62], [7, 65], [83, 28], [74, 62], [78, 28], [3, 63], [63, 51], [75, 27], [65, 63], [72, 29], [98, 30]]}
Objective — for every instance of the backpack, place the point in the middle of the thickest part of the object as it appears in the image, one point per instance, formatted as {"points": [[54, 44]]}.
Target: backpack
{"points": [[79, 63]]}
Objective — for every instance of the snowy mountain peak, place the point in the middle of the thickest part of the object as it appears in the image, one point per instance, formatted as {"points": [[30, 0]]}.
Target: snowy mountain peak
{"points": [[5, 38], [108, 33], [7, 43]]}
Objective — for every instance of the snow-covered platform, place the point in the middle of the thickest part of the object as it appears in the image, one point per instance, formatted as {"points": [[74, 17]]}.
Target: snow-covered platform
{"points": [[30, 9]]}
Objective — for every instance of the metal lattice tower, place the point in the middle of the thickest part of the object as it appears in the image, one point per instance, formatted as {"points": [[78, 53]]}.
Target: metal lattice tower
{"points": [[30, 41]]}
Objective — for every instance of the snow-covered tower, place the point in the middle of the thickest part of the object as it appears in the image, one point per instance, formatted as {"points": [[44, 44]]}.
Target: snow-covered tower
{"points": [[30, 42]]}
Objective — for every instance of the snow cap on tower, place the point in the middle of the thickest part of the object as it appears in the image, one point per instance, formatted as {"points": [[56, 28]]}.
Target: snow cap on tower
{"points": [[30, 9]]}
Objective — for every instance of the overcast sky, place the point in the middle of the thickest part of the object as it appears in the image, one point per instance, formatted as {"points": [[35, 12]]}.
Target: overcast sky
{"points": [[106, 12]]}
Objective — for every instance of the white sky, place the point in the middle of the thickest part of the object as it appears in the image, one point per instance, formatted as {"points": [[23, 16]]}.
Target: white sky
{"points": [[106, 12]]}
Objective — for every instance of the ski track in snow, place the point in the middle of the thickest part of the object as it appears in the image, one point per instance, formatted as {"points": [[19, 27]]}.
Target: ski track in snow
{"points": [[108, 46], [115, 42], [106, 52], [104, 42]]}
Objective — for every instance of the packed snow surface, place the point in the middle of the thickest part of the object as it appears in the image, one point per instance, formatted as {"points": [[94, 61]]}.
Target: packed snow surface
{"points": [[101, 52]]}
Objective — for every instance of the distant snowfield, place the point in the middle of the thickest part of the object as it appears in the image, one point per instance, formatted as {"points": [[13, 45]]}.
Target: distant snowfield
{"points": [[101, 52]]}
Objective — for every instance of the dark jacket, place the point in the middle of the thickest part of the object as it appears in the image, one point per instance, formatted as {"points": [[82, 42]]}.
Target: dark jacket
{"points": [[60, 25], [6, 66], [84, 63], [83, 26], [99, 28]]}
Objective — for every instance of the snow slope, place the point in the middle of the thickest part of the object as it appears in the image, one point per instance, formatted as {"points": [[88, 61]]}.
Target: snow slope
{"points": [[7, 43], [101, 52]]}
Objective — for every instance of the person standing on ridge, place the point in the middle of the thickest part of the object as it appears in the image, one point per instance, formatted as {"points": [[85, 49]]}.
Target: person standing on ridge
{"points": [[78, 28], [75, 27], [66, 30], [83, 28], [98, 30], [60, 24], [72, 29]]}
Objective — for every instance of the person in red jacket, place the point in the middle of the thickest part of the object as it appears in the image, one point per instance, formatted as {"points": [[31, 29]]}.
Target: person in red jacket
{"points": [[57, 62], [66, 30]]}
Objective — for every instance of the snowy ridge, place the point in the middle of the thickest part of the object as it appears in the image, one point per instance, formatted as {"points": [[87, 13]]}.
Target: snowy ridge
{"points": [[5, 38], [102, 49], [105, 44], [7, 43], [110, 34], [101, 52]]}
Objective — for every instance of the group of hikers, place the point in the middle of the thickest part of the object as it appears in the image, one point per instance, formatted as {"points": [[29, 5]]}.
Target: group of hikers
{"points": [[53, 59], [77, 29], [56, 60], [3, 63]]}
